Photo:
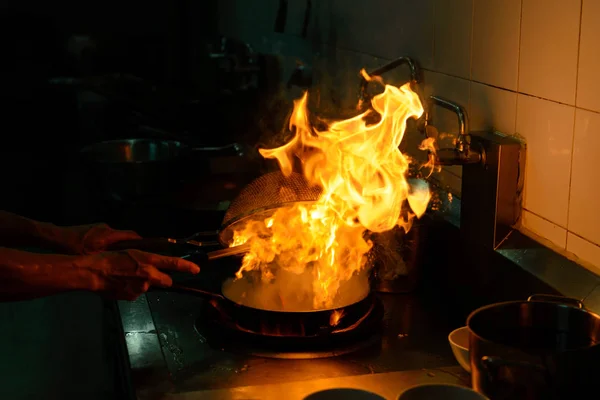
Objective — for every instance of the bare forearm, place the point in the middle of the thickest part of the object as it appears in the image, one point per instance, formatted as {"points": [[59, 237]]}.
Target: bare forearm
{"points": [[18, 231], [25, 275]]}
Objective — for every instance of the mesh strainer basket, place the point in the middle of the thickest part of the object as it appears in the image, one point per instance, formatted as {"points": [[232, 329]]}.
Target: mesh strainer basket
{"points": [[263, 196]]}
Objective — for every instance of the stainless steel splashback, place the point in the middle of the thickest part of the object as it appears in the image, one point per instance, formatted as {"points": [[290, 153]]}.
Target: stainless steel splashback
{"points": [[491, 198]]}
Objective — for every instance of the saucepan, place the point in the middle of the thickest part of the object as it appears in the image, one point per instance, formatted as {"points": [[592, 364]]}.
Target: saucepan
{"points": [[130, 168], [547, 347]]}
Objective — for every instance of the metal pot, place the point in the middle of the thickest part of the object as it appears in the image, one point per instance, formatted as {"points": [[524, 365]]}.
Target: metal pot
{"points": [[544, 348], [129, 168]]}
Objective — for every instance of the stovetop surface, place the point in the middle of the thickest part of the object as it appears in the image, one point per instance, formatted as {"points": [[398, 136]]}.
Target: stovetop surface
{"points": [[168, 355]]}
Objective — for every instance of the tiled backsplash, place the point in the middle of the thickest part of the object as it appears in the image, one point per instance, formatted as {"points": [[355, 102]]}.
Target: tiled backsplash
{"points": [[522, 67]]}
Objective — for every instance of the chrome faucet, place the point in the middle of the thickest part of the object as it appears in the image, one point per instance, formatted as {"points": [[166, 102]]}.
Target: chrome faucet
{"points": [[492, 177], [415, 75], [463, 152]]}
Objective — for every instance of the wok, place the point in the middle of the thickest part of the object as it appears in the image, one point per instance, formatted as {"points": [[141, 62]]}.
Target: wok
{"points": [[130, 168], [269, 318]]}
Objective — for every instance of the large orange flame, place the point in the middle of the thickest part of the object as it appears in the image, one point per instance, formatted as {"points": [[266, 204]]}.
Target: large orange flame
{"points": [[363, 175]]}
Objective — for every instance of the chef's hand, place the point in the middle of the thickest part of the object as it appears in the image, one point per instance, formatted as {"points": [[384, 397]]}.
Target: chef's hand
{"points": [[91, 239], [125, 275]]}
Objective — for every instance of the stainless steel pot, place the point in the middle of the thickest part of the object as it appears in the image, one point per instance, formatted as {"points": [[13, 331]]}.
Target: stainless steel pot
{"points": [[130, 168], [547, 347]]}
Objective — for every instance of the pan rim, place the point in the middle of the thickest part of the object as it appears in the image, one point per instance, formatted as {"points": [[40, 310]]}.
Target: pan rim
{"points": [[368, 293]]}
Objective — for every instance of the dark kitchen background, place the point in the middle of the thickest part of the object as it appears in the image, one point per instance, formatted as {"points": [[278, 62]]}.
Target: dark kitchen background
{"points": [[81, 73]]}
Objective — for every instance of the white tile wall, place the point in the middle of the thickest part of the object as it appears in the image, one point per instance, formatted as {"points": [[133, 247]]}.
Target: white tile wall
{"points": [[548, 131], [549, 46], [544, 228], [496, 29], [524, 67], [492, 109], [453, 27], [384, 28], [585, 250], [584, 218], [588, 84]]}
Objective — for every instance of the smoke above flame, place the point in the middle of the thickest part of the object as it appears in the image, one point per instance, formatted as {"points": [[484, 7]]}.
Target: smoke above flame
{"points": [[363, 176]]}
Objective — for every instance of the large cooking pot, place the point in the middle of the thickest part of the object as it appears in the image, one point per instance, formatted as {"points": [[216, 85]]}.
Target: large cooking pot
{"points": [[544, 348], [129, 168]]}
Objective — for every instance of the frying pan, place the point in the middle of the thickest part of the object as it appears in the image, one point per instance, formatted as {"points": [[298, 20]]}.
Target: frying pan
{"points": [[275, 321]]}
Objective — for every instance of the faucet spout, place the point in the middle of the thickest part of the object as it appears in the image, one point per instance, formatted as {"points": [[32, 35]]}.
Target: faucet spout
{"points": [[462, 141], [463, 152], [415, 74]]}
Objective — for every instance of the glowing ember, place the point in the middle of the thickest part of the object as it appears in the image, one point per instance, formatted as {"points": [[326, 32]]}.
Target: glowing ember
{"points": [[363, 176]]}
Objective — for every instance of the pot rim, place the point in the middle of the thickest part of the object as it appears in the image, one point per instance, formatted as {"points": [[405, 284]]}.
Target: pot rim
{"points": [[520, 302]]}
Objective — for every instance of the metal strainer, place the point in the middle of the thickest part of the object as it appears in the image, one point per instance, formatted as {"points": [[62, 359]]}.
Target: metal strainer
{"points": [[264, 196]]}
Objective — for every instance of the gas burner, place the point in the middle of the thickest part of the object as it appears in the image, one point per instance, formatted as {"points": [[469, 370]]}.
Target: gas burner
{"points": [[222, 333]]}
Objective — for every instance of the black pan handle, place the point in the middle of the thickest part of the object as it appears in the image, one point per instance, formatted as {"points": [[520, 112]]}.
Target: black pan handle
{"points": [[188, 290], [556, 299]]}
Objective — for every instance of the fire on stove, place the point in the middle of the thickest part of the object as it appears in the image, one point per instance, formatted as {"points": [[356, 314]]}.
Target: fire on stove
{"points": [[311, 258], [282, 339]]}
